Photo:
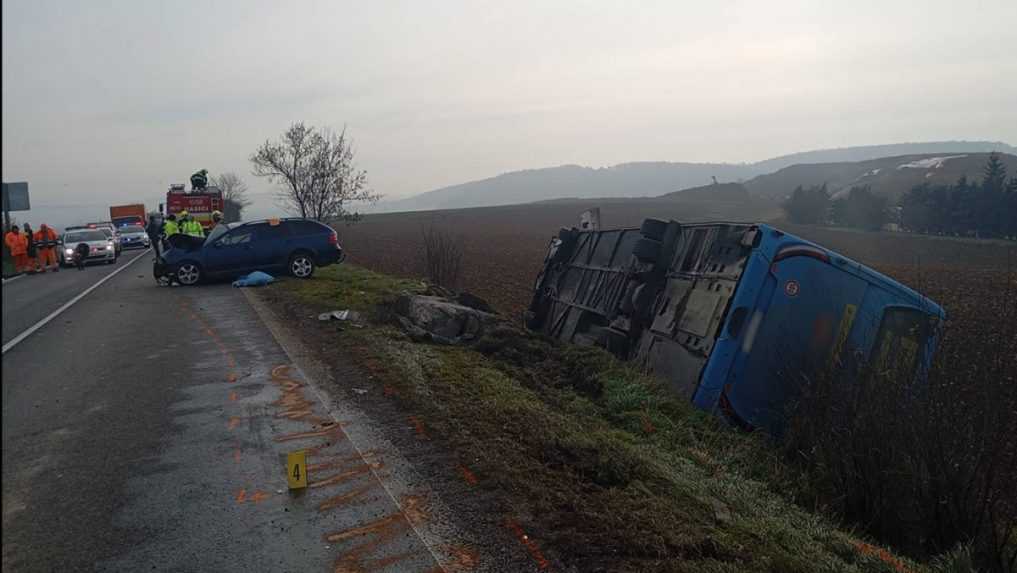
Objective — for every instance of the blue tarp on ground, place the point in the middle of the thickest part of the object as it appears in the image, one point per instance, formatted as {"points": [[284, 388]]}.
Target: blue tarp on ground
{"points": [[257, 278]]}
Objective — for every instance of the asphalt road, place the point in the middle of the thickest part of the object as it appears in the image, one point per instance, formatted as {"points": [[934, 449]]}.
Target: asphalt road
{"points": [[147, 428], [28, 298]]}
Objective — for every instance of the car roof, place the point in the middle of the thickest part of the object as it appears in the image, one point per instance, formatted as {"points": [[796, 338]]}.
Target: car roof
{"points": [[80, 230], [280, 219]]}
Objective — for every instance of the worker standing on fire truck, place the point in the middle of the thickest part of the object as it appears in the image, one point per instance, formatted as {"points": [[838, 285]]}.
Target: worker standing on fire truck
{"points": [[199, 181]]}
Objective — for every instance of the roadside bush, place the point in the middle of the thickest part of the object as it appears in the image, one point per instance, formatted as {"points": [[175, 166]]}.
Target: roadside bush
{"points": [[926, 466], [443, 257]]}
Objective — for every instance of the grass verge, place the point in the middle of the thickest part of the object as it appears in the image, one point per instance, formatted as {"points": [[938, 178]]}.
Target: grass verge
{"points": [[604, 469]]}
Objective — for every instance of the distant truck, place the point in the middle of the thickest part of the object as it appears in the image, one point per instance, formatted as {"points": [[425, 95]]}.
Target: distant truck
{"points": [[198, 203], [733, 315], [126, 215]]}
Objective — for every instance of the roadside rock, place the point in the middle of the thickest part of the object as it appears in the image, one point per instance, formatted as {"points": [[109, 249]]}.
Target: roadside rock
{"points": [[464, 298], [437, 319]]}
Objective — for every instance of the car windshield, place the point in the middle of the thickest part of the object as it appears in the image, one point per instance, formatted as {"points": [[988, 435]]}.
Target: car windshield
{"points": [[217, 231], [84, 236], [131, 230]]}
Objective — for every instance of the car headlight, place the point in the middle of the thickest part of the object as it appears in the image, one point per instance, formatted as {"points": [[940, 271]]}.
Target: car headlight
{"points": [[68, 251], [109, 243]]}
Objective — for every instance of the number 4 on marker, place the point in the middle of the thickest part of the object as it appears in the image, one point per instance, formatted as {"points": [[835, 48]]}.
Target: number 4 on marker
{"points": [[296, 469]]}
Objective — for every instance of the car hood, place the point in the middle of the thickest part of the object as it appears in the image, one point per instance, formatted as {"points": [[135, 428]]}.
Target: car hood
{"points": [[72, 244]]}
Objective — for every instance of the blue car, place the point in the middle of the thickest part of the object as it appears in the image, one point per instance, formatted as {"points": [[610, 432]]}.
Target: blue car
{"points": [[295, 246], [734, 316]]}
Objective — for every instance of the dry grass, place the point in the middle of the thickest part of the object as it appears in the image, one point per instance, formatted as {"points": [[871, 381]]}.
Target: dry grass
{"points": [[600, 464]]}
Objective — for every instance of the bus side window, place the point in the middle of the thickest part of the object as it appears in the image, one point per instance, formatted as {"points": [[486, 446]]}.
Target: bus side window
{"points": [[902, 334]]}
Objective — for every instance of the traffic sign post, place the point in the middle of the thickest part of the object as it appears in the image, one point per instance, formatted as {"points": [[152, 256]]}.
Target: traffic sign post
{"points": [[15, 198]]}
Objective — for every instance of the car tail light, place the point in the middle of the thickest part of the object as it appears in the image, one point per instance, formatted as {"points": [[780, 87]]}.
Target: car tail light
{"points": [[333, 239]]}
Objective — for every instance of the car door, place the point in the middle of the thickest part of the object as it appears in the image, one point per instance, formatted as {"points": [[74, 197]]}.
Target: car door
{"points": [[271, 241], [233, 253]]}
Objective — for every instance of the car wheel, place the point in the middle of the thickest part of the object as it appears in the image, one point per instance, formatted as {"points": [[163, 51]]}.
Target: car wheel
{"points": [[189, 273], [301, 266]]}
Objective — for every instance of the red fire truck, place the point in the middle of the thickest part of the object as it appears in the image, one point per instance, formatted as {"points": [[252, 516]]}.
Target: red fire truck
{"points": [[199, 203]]}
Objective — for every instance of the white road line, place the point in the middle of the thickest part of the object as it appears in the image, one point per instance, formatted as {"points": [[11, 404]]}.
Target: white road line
{"points": [[28, 332], [12, 279]]}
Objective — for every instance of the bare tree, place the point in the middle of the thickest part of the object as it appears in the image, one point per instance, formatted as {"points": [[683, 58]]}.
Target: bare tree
{"points": [[443, 256], [317, 173], [234, 194]]}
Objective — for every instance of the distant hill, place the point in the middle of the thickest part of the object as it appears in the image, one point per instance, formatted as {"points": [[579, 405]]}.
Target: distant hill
{"points": [[647, 179], [866, 152], [890, 176], [726, 192], [572, 181]]}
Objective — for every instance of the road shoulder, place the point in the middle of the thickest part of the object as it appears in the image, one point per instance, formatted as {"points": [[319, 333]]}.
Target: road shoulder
{"points": [[443, 511]]}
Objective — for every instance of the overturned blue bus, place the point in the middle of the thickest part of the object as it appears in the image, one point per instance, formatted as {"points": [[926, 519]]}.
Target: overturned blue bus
{"points": [[732, 315]]}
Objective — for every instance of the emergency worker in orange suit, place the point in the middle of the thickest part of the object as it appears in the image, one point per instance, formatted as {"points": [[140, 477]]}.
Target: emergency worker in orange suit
{"points": [[17, 244], [46, 243]]}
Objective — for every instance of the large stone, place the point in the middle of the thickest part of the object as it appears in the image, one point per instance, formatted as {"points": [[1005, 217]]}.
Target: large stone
{"points": [[439, 320]]}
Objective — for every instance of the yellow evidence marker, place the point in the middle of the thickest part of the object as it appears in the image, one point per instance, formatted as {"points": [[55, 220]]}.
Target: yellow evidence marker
{"points": [[296, 469]]}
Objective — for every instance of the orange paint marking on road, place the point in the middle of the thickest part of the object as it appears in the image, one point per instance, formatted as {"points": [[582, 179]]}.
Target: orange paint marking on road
{"points": [[330, 429], [315, 450], [345, 498], [529, 544], [341, 477], [294, 405], [414, 508], [231, 377], [296, 414], [211, 333], [255, 497], [236, 455], [390, 521], [259, 496], [234, 422], [389, 391], [379, 532], [344, 462], [233, 396], [468, 476], [292, 400], [290, 385]]}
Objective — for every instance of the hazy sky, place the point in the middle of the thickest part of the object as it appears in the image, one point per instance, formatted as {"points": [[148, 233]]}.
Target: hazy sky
{"points": [[112, 101]]}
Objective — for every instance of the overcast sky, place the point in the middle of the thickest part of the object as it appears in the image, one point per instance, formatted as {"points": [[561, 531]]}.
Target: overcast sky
{"points": [[113, 101]]}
